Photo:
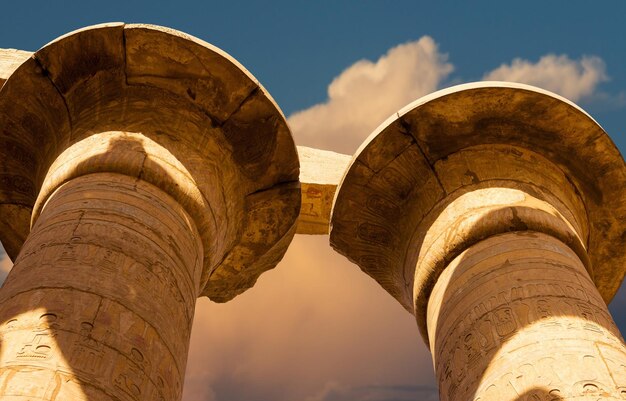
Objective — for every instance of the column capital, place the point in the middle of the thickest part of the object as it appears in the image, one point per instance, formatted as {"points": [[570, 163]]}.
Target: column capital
{"points": [[229, 158], [424, 168]]}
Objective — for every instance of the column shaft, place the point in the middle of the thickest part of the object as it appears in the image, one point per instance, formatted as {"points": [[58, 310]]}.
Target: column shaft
{"points": [[516, 317], [100, 301]]}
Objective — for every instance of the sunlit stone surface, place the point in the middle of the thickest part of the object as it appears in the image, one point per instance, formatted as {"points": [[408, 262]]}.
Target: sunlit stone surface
{"points": [[496, 213], [113, 268], [141, 168], [518, 314]]}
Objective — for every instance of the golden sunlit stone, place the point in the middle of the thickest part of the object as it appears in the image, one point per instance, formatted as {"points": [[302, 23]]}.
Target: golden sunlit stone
{"points": [[496, 214], [518, 314], [320, 173], [141, 168]]}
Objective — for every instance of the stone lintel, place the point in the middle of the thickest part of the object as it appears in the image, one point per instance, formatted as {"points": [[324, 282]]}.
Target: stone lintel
{"points": [[10, 59], [320, 173]]}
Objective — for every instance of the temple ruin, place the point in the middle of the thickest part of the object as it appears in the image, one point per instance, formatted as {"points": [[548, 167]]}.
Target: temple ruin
{"points": [[143, 168]]}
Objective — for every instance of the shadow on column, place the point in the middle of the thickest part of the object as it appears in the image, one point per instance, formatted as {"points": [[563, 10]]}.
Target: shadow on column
{"points": [[85, 317], [519, 313], [538, 394], [215, 122]]}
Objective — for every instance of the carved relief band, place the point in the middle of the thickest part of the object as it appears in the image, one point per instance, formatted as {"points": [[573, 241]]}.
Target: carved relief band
{"points": [[143, 168], [494, 212], [518, 311], [108, 305]]}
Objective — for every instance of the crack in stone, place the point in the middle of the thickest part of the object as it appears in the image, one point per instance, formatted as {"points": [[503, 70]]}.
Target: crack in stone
{"points": [[46, 73]]}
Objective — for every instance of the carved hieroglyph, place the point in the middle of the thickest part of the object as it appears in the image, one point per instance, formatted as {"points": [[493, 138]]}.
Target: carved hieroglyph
{"points": [[468, 206], [140, 169], [518, 314], [320, 173], [101, 299]]}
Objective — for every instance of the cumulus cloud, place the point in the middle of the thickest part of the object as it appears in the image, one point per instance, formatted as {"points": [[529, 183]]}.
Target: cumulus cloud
{"points": [[315, 319], [573, 79], [334, 392], [316, 328], [367, 92]]}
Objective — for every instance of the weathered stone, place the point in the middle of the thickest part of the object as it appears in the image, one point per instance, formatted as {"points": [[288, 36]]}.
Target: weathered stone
{"points": [[484, 191], [153, 169], [79, 306], [138, 161], [518, 313], [10, 59], [99, 81], [320, 173]]}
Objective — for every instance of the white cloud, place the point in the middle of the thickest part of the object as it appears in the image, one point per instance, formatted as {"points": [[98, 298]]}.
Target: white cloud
{"points": [[311, 329], [317, 318], [333, 391], [316, 328], [314, 319], [327, 391], [198, 382], [573, 79], [366, 93]]}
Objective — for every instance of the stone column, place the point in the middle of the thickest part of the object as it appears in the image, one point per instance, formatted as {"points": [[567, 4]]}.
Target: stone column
{"points": [[517, 314], [100, 302], [142, 168], [495, 214]]}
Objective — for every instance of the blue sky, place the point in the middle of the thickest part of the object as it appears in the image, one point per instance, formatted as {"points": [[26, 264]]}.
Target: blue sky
{"points": [[295, 48], [335, 334]]}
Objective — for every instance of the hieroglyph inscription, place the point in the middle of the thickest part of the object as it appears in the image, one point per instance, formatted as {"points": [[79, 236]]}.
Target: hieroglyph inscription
{"points": [[514, 321]]}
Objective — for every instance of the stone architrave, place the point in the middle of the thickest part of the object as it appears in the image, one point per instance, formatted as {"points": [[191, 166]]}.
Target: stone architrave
{"points": [[140, 169], [320, 173], [496, 214]]}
